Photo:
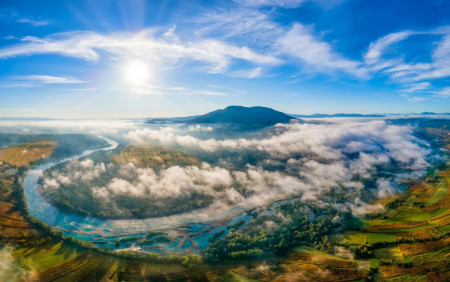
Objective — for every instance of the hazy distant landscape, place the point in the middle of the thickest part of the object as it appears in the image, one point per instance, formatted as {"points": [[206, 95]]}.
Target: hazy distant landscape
{"points": [[242, 140], [359, 197]]}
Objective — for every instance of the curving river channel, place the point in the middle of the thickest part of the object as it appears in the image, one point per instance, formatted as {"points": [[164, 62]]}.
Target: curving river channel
{"points": [[189, 232], [185, 233]]}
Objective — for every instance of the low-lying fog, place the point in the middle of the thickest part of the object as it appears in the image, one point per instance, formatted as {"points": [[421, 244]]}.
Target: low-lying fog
{"points": [[249, 169]]}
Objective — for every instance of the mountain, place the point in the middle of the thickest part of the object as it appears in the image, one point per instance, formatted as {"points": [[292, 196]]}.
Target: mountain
{"points": [[254, 116], [335, 115]]}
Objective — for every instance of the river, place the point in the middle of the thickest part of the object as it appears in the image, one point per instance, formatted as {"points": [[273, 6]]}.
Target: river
{"points": [[201, 222]]}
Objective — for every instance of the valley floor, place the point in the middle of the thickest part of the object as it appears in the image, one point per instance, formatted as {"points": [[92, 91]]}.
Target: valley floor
{"points": [[408, 242]]}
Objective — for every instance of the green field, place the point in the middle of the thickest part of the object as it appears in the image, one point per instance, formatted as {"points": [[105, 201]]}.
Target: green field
{"points": [[393, 253], [378, 237], [232, 276], [374, 263], [442, 190], [45, 256]]}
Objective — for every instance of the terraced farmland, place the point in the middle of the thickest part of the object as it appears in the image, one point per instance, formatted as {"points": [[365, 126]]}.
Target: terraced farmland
{"points": [[411, 241]]}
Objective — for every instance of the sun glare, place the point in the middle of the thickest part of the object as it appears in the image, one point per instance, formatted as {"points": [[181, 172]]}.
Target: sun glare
{"points": [[136, 73]]}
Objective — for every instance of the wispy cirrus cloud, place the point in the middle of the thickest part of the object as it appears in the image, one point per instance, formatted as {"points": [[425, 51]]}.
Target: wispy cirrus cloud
{"points": [[33, 22], [180, 90], [11, 15], [49, 79], [402, 71], [378, 47], [280, 3], [314, 55], [244, 24], [147, 45], [299, 42], [249, 42], [286, 3], [417, 87], [444, 92]]}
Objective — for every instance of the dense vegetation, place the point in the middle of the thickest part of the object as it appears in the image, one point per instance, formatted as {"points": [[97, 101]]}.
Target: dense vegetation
{"points": [[292, 224], [77, 197], [407, 242], [253, 116]]}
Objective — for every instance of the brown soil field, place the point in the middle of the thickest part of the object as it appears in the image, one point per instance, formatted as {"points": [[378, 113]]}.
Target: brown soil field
{"points": [[23, 155], [438, 277], [424, 233], [442, 221], [306, 272], [398, 225], [418, 248], [334, 263], [395, 270]]}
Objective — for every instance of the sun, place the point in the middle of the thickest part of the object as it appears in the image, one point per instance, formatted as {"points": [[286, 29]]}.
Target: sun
{"points": [[136, 73]]}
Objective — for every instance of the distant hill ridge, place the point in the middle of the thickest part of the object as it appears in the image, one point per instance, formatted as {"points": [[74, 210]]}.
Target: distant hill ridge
{"points": [[244, 115], [336, 115]]}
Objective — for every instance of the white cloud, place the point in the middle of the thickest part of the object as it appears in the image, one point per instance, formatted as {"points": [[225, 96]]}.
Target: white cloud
{"points": [[444, 92], [300, 43], [100, 192], [316, 156], [33, 21], [48, 79], [198, 127], [280, 3], [286, 3], [10, 269], [378, 48], [247, 25], [221, 39], [172, 182], [362, 208], [51, 183], [417, 87], [318, 140], [416, 99], [146, 45], [414, 74], [312, 159], [258, 28], [385, 188], [252, 73], [170, 34], [76, 172]]}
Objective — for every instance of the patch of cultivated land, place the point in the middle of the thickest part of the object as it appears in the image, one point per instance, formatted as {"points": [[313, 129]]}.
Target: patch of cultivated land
{"points": [[48, 258], [13, 225], [420, 248], [409, 242], [154, 156], [24, 154]]}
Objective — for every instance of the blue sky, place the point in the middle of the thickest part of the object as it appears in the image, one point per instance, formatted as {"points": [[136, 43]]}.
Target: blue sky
{"points": [[97, 59]]}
